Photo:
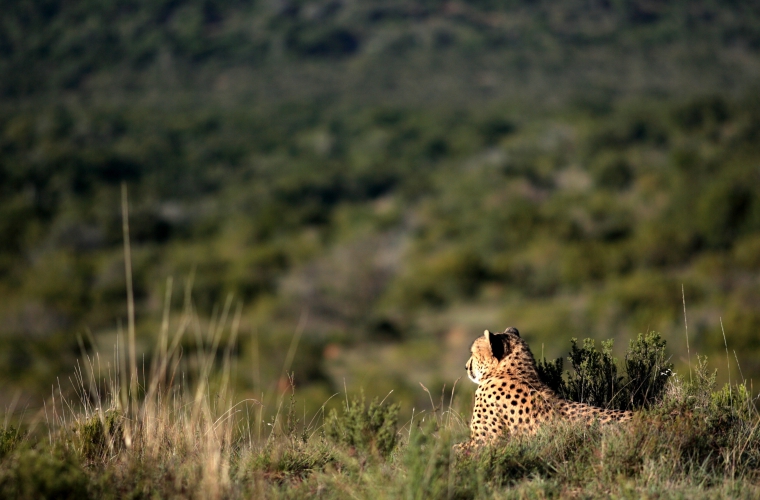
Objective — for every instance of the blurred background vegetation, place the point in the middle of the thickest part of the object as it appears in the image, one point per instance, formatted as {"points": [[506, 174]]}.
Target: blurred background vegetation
{"points": [[377, 181]]}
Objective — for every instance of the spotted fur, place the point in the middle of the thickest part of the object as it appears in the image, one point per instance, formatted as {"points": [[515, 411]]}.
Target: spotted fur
{"points": [[511, 398]]}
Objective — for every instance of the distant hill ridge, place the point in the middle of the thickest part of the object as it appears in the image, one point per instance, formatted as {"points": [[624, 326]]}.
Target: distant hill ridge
{"points": [[284, 49]]}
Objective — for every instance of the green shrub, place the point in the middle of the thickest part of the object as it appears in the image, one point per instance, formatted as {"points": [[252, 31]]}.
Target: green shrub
{"points": [[736, 400], [595, 380], [280, 462], [613, 172], [551, 373], [647, 370], [96, 437], [32, 474], [10, 438], [372, 429], [702, 112]]}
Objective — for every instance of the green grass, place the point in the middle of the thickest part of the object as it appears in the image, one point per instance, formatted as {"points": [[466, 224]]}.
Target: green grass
{"points": [[193, 440], [677, 448]]}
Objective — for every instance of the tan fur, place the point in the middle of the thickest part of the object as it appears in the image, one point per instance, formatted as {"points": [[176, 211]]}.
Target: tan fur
{"points": [[511, 398]]}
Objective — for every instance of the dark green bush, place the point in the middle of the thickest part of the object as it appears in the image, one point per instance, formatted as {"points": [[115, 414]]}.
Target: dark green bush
{"points": [[728, 209], [32, 474], [595, 379], [552, 373], [613, 172], [370, 428], [647, 370], [10, 438], [439, 279], [702, 112]]}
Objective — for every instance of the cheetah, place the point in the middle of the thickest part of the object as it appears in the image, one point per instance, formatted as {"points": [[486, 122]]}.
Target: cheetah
{"points": [[511, 398]]}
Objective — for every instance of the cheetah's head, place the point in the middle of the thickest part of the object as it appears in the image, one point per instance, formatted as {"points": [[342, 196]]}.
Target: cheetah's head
{"points": [[489, 350]]}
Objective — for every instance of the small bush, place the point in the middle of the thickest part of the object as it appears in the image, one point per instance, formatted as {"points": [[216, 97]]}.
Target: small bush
{"points": [[372, 429], [281, 462], [647, 370], [595, 380], [735, 401], [551, 373], [94, 439], [32, 474], [10, 438], [613, 172]]}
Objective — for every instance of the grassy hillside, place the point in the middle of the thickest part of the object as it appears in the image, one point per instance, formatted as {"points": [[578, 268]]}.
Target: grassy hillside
{"points": [[193, 439]]}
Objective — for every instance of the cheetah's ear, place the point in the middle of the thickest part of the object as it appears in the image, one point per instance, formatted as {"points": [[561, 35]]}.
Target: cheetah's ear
{"points": [[512, 329], [499, 345]]}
